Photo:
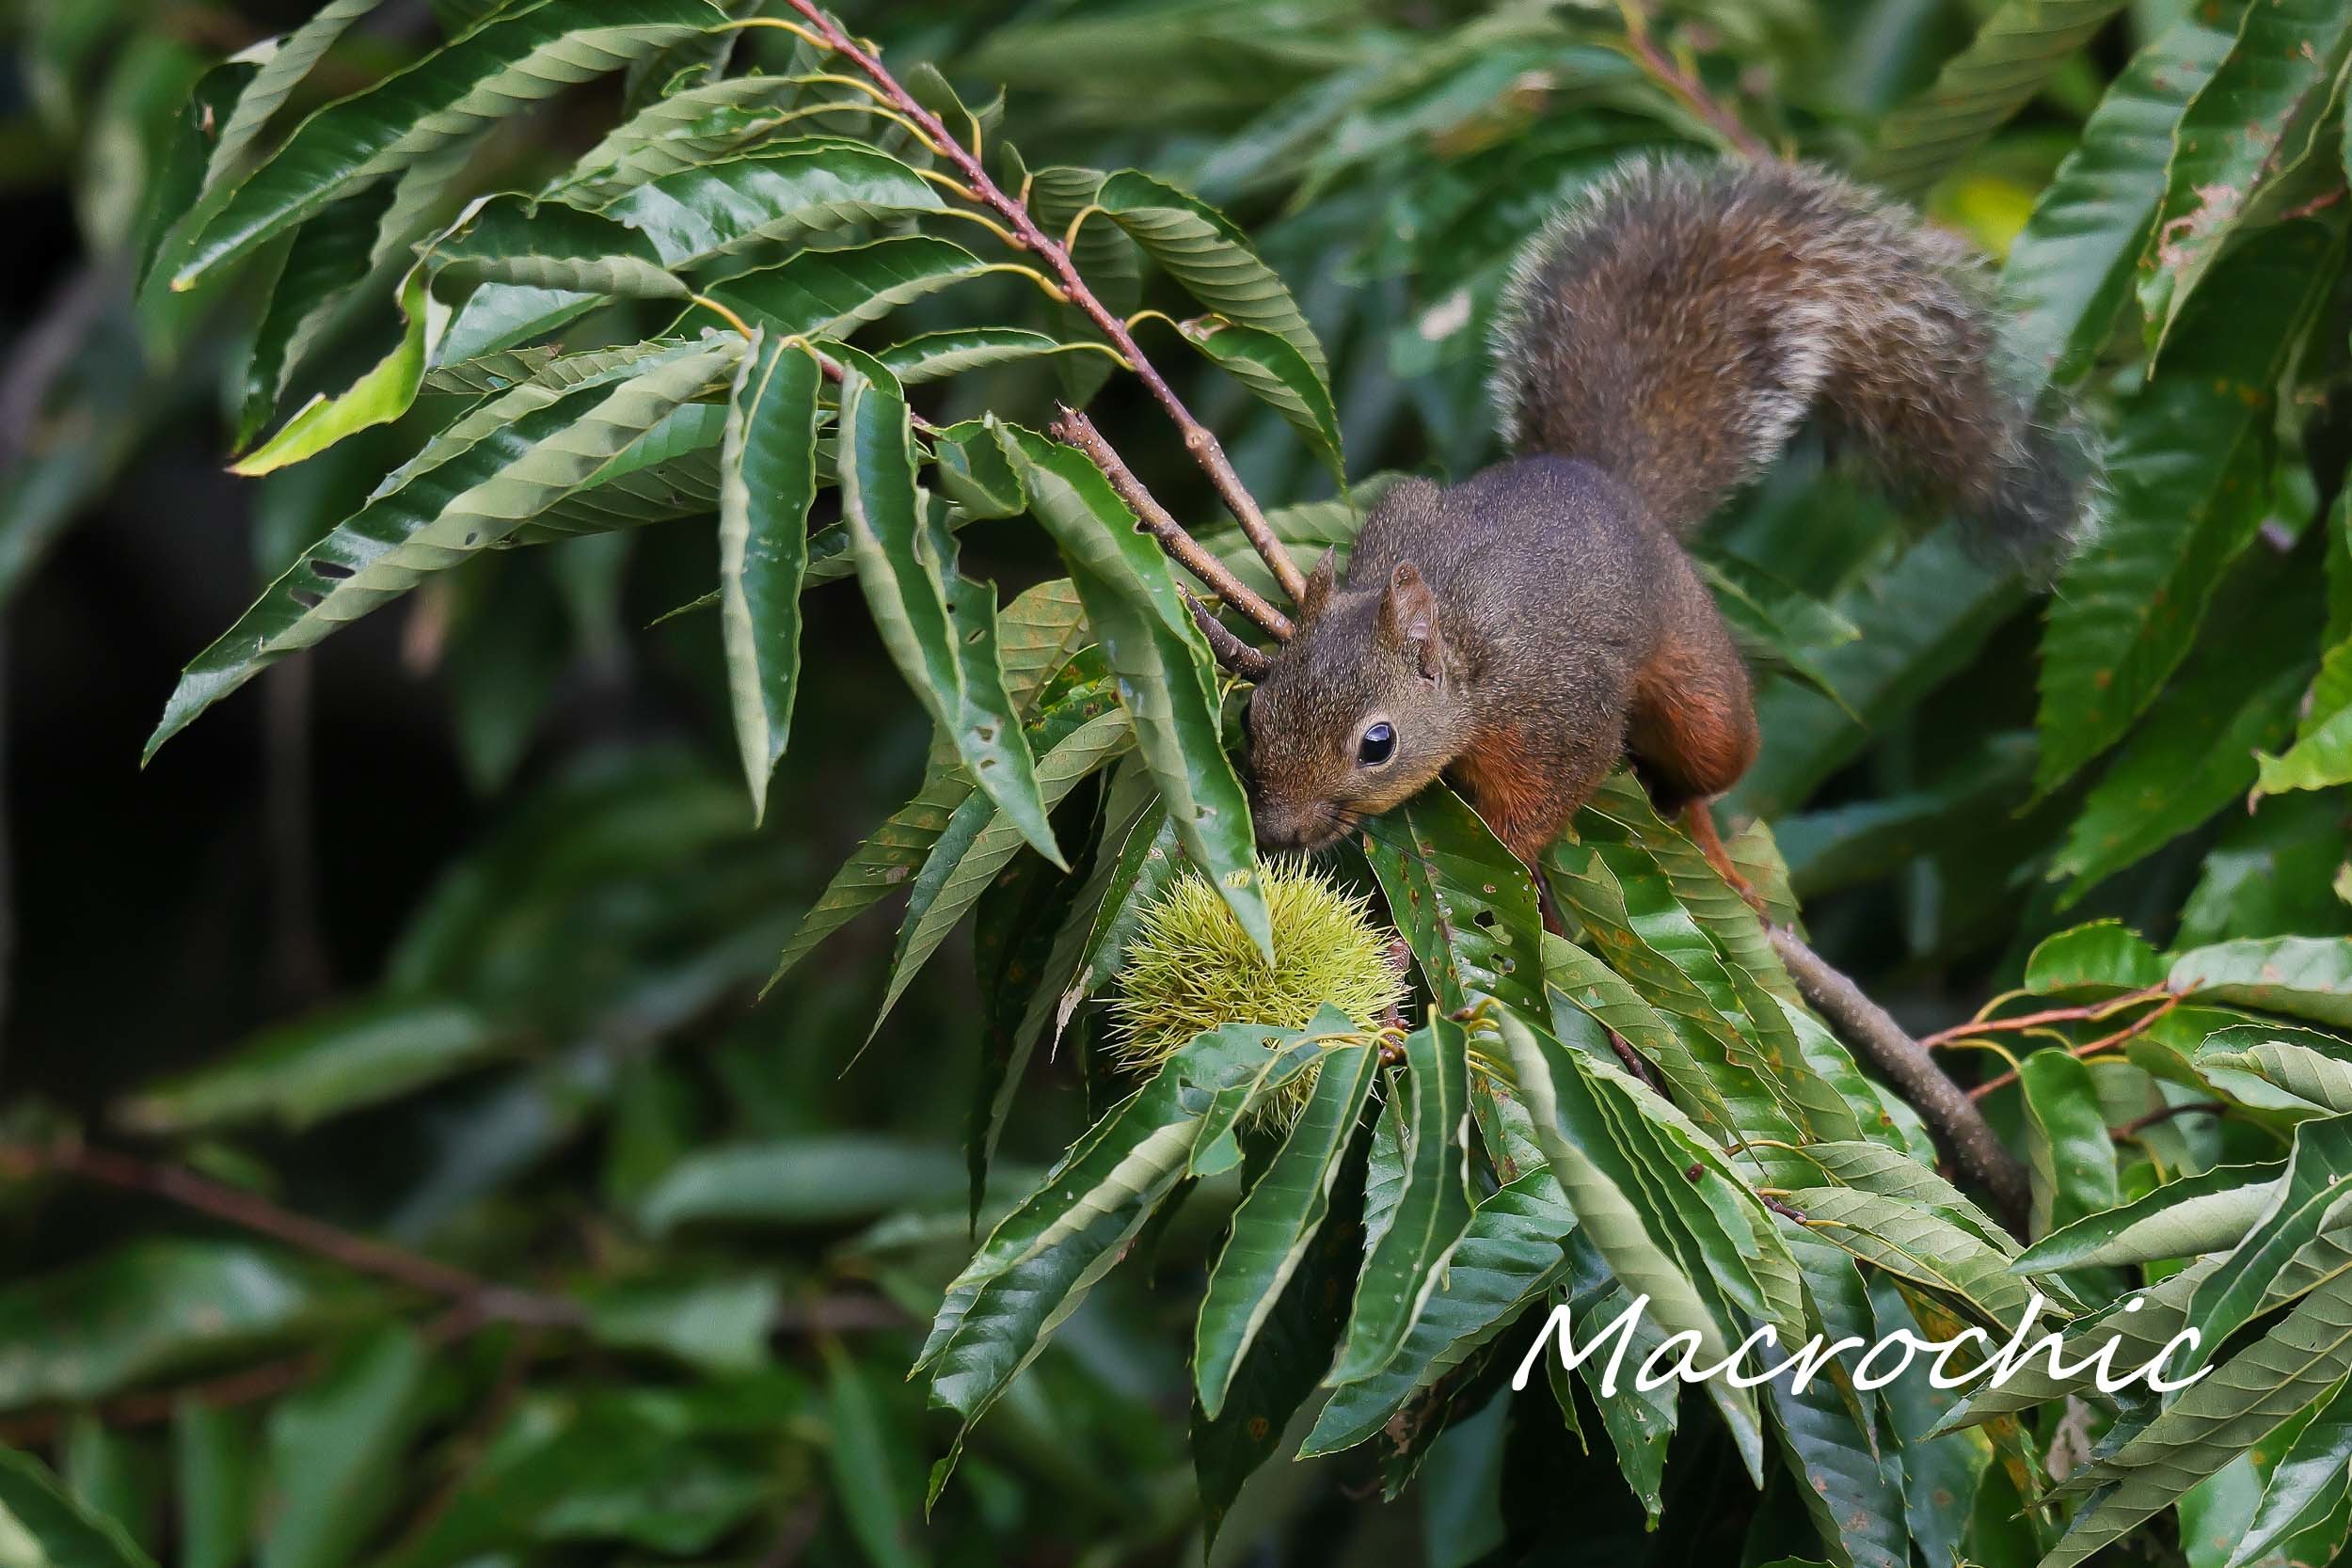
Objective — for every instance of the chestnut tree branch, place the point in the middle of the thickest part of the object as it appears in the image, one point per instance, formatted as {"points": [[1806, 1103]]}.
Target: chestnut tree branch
{"points": [[1199, 439], [177, 1184], [1073, 428], [1955, 1119], [1684, 86]]}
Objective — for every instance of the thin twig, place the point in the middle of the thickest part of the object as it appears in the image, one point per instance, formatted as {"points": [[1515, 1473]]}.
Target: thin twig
{"points": [[1073, 428], [1947, 1108], [484, 1298], [1230, 651], [1199, 439], [2088, 1012], [2088, 1048], [1685, 86], [2138, 1125]]}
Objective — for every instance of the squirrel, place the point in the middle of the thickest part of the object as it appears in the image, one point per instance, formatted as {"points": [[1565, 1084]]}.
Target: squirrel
{"points": [[1658, 343]]}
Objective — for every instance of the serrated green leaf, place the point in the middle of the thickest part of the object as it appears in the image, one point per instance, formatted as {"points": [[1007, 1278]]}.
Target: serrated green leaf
{"points": [[2193, 755], [2205, 1213], [826, 293], [498, 316], [885, 860], [971, 471], [937, 355], [1276, 1224], [1464, 902], [732, 216], [381, 394], [280, 66], [1041, 1259], [2069, 270], [2187, 497], [1278, 372], [940, 629], [1827, 1432], [2138, 1333], [696, 125], [768, 481], [2321, 757], [509, 61], [2297, 977], [1923, 618], [1404, 1265], [2207, 1426], [978, 838], [326, 259], [2012, 55], [2255, 119], [549, 244], [1920, 1245], [2104, 958], [2246, 1282], [1509, 1257], [2304, 1063], [1165, 678], [1201, 248], [1599, 1172], [1134, 823], [1288, 1357], [2311, 1478], [2071, 1156], [1890, 1172]]}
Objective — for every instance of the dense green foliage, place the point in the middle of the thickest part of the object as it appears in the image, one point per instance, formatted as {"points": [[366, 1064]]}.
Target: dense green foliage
{"points": [[618, 1270]]}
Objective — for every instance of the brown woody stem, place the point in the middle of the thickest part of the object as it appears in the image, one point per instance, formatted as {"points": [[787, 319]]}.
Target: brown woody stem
{"points": [[1073, 428], [1946, 1107], [1199, 439], [480, 1297], [1685, 87], [1230, 651]]}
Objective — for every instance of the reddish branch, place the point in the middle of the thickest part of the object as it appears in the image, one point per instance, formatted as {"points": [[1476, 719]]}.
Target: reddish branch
{"points": [[482, 1298], [1199, 439], [473, 1302], [1684, 86], [1073, 428], [2088, 1048], [2138, 1125], [2088, 1012]]}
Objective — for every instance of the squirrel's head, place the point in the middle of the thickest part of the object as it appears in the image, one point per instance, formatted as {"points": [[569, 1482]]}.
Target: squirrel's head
{"points": [[1360, 710]]}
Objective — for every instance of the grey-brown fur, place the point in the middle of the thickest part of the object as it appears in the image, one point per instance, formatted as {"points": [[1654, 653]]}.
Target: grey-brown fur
{"points": [[1522, 631], [1677, 325]]}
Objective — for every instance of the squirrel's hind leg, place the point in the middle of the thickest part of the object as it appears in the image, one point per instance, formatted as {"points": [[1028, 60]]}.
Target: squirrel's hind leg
{"points": [[1693, 730]]}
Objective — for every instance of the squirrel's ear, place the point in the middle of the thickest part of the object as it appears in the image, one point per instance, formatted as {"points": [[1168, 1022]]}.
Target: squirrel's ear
{"points": [[1409, 618], [1319, 584]]}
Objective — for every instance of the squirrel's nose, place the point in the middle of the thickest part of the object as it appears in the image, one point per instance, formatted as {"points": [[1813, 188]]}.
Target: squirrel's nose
{"points": [[1283, 825]]}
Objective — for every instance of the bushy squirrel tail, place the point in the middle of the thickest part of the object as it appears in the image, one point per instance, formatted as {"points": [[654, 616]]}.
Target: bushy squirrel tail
{"points": [[1678, 324]]}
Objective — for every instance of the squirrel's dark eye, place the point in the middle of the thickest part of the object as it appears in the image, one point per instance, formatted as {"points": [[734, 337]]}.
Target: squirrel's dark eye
{"points": [[1378, 744]]}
